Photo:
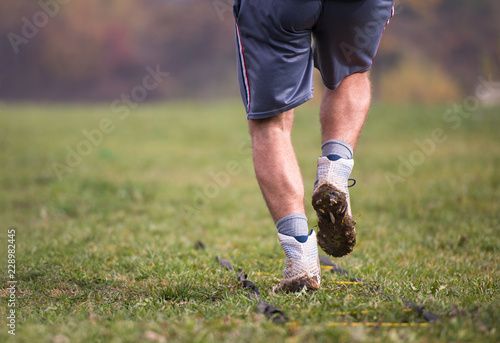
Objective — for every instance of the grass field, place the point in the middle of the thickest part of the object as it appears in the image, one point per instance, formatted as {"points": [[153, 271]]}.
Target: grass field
{"points": [[105, 244]]}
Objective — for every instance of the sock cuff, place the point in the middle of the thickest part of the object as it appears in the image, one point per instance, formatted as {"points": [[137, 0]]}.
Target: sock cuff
{"points": [[337, 147], [294, 216]]}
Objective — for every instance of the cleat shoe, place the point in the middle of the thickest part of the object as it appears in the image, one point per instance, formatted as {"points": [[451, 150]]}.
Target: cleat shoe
{"points": [[336, 235], [302, 264]]}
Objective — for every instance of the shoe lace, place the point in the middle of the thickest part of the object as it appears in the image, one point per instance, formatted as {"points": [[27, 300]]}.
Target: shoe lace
{"points": [[353, 183]]}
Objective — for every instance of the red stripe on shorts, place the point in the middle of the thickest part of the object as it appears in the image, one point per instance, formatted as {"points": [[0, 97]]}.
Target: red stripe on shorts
{"points": [[386, 23], [243, 64]]}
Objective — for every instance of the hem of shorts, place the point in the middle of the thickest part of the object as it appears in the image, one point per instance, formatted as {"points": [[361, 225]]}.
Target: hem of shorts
{"points": [[267, 114], [333, 87]]}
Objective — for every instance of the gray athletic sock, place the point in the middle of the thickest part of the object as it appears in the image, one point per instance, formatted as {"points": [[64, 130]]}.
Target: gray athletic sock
{"points": [[293, 225], [337, 147]]}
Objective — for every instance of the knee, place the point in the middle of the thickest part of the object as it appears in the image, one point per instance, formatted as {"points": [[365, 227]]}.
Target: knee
{"points": [[354, 91], [275, 126]]}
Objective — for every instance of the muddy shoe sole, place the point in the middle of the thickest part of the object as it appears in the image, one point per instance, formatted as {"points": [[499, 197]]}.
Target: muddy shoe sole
{"points": [[336, 235]]}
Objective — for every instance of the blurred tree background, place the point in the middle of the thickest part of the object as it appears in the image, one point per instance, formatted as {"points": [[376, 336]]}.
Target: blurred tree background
{"points": [[95, 50]]}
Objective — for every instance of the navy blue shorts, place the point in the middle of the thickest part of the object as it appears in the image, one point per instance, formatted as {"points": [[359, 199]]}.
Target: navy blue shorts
{"points": [[275, 56]]}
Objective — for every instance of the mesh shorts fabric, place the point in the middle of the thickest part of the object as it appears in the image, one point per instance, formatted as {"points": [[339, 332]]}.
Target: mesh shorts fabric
{"points": [[275, 56]]}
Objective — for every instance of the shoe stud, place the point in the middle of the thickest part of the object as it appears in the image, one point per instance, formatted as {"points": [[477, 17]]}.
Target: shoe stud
{"points": [[332, 217]]}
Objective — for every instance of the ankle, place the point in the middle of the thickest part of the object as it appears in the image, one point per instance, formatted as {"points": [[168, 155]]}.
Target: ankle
{"points": [[294, 225], [336, 148]]}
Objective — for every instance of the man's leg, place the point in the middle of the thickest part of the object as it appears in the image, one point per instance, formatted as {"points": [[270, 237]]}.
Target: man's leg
{"points": [[343, 110], [281, 183], [342, 115], [276, 166]]}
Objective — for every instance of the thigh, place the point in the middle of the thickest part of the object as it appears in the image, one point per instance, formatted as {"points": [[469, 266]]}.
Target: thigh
{"points": [[347, 37], [274, 53]]}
